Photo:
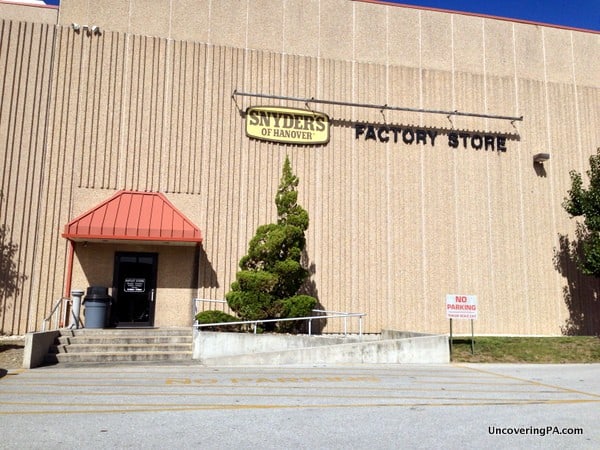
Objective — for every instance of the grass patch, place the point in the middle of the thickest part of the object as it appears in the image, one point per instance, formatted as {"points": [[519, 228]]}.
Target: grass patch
{"points": [[551, 350]]}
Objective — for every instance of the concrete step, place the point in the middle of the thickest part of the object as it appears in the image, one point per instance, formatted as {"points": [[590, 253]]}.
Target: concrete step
{"points": [[116, 347], [102, 357], [108, 339], [128, 332], [121, 345]]}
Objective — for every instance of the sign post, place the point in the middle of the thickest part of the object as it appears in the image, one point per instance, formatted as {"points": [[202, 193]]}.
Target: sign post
{"points": [[461, 307]]}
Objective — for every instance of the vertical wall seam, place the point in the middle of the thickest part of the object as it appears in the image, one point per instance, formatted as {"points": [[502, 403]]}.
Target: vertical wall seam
{"points": [[12, 118], [48, 140], [151, 135], [48, 216], [170, 19], [125, 114], [32, 166], [247, 30], [103, 158], [96, 104], [390, 221], [159, 120], [7, 41], [490, 227], [520, 177], [142, 182], [422, 178], [191, 173], [18, 158], [557, 276], [58, 212], [167, 116], [458, 274], [354, 196], [576, 95]]}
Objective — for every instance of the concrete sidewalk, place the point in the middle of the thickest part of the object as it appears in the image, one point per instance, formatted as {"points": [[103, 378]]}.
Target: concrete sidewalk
{"points": [[364, 406]]}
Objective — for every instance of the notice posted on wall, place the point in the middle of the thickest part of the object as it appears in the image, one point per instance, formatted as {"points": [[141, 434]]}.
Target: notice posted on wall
{"points": [[461, 306], [135, 285]]}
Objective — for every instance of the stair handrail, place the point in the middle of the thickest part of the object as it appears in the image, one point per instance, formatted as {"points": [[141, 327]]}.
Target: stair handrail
{"points": [[328, 315], [342, 314], [61, 301], [195, 302]]}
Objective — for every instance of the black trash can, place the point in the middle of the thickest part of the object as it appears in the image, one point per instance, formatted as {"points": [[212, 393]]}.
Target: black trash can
{"points": [[96, 303]]}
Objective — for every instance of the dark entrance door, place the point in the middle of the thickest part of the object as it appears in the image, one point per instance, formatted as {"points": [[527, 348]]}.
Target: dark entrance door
{"points": [[134, 289]]}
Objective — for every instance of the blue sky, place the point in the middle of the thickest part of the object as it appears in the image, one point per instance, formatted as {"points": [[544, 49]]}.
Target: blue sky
{"points": [[569, 13]]}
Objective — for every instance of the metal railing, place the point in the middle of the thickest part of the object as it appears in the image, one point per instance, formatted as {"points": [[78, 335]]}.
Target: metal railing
{"points": [[196, 301], [58, 306], [309, 319], [345, 315]]}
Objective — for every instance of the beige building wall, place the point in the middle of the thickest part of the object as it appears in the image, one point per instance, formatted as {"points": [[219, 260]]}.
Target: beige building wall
{"points": [[147, 104], [28, 247]]}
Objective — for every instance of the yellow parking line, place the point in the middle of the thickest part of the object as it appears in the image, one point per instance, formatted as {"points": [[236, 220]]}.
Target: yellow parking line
{"points": [[303, 396], [202, 388], [535, 383], [256, 406]]}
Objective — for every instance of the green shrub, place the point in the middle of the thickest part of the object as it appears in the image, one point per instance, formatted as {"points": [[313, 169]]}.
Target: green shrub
{"points": [[296, 306], [252, 305], [213, 316], [259, 281]]}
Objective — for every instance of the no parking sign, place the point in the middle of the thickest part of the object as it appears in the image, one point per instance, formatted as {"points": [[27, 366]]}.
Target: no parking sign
{"points": [[461, 306]]}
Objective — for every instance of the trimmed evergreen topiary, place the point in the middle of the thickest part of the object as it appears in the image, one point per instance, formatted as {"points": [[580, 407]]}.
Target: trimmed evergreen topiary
{"points": [[271, 273]]}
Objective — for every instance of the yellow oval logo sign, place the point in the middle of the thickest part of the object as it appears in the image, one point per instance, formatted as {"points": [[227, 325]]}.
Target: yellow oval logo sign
{"points": [[287, 125]]}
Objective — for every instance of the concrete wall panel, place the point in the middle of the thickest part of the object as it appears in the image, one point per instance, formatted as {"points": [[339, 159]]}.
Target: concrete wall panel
{"points": [[436, 41], [404, 38], [558, 52], [190, 20], [468, 44], [499, 48], [110, 15], [336, 34], [586, 69], [529, 51], [267, 17], [229, 22], [150, 17], [371, 35], [301, 27]]}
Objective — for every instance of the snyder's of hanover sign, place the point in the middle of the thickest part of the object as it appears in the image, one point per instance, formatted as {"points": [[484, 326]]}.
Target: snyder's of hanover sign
{"points": [[287, 125]]}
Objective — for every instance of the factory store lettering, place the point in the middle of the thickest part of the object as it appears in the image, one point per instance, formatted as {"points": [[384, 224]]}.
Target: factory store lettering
{"points": [[409, 136]]}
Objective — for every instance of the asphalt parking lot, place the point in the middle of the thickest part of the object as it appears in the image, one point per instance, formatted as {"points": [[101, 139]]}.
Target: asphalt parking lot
{"points": [[376, 407]]}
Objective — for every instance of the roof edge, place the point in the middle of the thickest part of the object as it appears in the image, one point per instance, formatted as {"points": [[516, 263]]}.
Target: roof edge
{"points": [[190, 233], [481, 15]]}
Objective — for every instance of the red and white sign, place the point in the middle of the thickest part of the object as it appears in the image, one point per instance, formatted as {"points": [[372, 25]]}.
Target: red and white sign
{"points": [[461, 306]]}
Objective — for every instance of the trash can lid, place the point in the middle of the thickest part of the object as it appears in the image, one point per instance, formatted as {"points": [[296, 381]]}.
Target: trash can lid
{"points": [[97, 291]]}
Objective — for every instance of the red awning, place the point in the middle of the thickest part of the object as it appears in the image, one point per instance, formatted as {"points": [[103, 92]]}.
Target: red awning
{"points": [[134, 216]]}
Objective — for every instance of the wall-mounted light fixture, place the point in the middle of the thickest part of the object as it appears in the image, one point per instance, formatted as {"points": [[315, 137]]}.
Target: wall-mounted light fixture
{"points": [[540, 158], [94, 29]]}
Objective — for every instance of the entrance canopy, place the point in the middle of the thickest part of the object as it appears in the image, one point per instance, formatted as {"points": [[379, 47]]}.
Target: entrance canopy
{"points": [[134, 216]]}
